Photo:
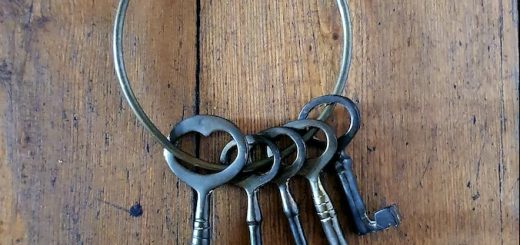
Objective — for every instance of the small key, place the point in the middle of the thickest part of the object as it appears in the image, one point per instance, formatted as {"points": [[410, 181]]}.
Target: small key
{"points": [[384, 218], [252, 182], [311, 170], [286, 172], [205, 184]]}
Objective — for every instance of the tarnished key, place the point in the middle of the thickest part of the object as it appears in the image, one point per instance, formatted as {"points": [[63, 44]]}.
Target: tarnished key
{"points": [[311, 170], [286, 172], [252, 182], [204, 184], [384, 218]]}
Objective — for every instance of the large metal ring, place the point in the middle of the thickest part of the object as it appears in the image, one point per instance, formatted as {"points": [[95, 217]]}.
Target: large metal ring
{"points": [[129, 95]]}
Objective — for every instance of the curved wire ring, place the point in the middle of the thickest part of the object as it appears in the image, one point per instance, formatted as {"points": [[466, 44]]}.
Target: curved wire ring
{"points": [[189, 159]]}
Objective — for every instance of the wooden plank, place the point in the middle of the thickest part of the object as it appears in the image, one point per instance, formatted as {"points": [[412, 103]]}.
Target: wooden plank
{"points": [[436, 82], [509, 164], [426, 78], [75, 156], [430, 81]]}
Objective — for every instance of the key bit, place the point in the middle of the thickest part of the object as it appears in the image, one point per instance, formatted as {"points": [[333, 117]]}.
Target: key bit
{"points": [[383, 219]]}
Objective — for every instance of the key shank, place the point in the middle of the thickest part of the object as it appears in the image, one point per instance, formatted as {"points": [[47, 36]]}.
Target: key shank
{"points": [[326, 213], [201, 226], [292, 213], [254, 218]]}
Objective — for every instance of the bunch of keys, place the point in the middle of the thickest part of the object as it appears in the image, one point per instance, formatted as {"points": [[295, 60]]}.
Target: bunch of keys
{"points": [[333, 153], [252, 175]]}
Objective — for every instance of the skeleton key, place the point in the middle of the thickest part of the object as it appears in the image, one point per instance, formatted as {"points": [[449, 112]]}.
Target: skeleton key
{"points": [[384, 218], [290, 208], [311, 170], [204, 184], [252, 182]]}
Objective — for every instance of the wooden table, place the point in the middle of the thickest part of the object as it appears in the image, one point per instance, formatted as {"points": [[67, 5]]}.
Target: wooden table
{"points": [[437, 83]]}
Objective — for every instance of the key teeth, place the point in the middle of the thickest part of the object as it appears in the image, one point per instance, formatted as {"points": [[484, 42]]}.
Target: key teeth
{"points": [[386, 218]]}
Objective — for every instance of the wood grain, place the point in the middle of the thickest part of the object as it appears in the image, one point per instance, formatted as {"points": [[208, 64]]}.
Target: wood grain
{"points": [[437, 83]]}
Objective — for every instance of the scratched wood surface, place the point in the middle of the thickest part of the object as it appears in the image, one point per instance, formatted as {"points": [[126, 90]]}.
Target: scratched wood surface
{"points": [[437, 83]]}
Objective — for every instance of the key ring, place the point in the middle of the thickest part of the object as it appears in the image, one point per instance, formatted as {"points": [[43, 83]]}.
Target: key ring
{"points": [[130, 97]]}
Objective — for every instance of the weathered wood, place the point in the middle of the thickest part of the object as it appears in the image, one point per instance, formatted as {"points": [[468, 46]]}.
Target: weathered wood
{"points": [[509, 166], [75, 156], [437, 83]]}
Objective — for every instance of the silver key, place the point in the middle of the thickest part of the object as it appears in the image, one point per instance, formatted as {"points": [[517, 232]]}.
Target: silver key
{"points": [[205, 184], [311, 170]]}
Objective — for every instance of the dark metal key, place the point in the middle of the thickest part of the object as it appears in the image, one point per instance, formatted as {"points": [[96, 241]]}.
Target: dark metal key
{"points": [[311, 171], [252, 182], [384, 218], [204, 184], [286, 172]]}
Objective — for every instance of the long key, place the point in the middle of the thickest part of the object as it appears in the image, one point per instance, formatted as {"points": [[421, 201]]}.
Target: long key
{"points": [[383, 218], [311, 171], [286, 172], [252, 183], [205, 184]]}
